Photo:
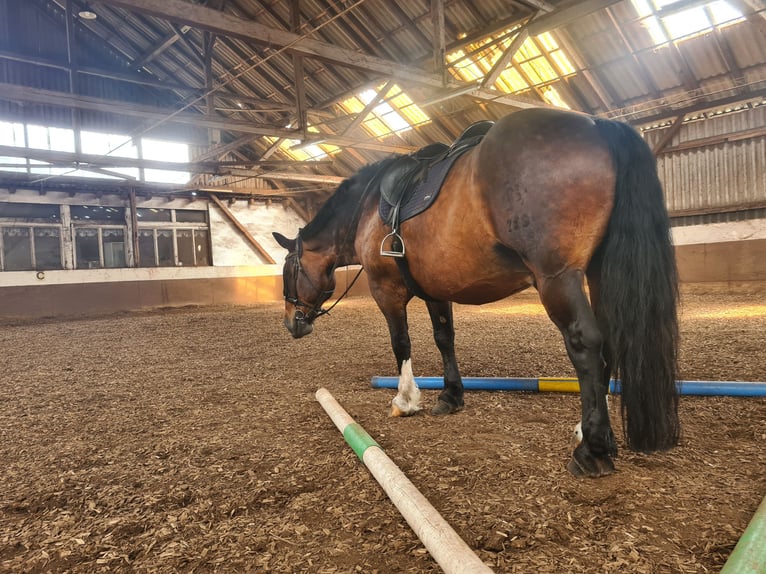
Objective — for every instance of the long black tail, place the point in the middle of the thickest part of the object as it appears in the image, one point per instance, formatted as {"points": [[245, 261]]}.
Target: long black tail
{"points": [[638, 294]]}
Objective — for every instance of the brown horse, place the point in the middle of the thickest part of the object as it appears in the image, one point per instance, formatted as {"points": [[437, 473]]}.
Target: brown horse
{"points": [[549, 199]]}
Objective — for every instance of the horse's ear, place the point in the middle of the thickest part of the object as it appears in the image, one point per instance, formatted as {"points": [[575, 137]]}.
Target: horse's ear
{"points": [[288, 244]]}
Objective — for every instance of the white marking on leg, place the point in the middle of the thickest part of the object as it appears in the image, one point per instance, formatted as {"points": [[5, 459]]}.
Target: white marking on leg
{"points": [[577, 435], [407, 399]]}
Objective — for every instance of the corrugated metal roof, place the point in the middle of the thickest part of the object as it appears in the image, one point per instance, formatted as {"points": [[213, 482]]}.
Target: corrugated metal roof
{"points": [[619, 71]]}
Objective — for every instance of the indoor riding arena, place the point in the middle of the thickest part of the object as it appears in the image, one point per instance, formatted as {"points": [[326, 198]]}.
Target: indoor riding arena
{"points": [[173, 379]]}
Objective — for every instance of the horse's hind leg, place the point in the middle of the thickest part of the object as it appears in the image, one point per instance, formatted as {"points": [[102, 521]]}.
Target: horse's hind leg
{"points": [[564, 298], [451, 398]]}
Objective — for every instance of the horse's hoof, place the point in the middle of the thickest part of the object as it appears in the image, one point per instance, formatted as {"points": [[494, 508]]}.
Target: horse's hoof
{"points": [[585, 465], [397, 412], [444, 408], [575, 469]]}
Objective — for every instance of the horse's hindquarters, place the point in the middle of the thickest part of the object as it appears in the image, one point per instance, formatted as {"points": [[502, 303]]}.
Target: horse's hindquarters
{"points": [[548, 180]]}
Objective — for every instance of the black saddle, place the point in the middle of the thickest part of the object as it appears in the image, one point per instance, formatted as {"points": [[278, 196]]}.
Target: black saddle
{"points": [[412, 182], [404, 174]]}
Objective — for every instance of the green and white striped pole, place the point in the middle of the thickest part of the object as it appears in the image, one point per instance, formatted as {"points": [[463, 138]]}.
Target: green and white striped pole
{"points": [[749, 555], [442, 542]]}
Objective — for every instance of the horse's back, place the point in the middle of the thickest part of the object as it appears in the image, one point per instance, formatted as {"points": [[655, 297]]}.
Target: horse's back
{"points": [[533, 198]]}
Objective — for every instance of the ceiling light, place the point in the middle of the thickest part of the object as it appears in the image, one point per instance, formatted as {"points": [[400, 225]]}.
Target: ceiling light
{"points": [[87, 14]]}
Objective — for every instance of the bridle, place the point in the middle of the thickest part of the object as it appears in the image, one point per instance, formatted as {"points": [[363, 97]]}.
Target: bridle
{"points": [[315, 310]]}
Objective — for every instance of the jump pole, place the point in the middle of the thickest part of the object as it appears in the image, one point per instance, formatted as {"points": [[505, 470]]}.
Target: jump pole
{"points": [[570, 385], [442, 542], [749, 555]]}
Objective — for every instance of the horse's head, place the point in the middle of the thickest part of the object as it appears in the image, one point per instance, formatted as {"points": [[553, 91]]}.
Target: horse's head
{"points": [[309, 280]]}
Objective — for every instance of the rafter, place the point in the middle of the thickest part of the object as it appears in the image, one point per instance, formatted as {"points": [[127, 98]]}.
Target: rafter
{"points": [[571, 12], [505, 59], [227, 25], [158, 115]]}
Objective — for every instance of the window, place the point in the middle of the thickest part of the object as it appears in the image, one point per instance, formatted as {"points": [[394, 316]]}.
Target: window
{"points": [[12, 134], [17, 249], [100, 233], [114, 247], [87, 248], [165, 151], [668, 20], [193, 247], [41, 137], [165, 248], [30, 237], [95, 143], [100, 247], [114, 145], [29, 212], [170, 237], [190, 216], [47, 242], [97, 214], [153, 214]]}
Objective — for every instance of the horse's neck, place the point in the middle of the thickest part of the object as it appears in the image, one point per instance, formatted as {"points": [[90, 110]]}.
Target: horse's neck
{"points": [[337, 243], [344, 246]]}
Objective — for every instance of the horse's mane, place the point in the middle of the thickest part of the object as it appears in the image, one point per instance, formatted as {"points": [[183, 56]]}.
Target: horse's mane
{"points": [[343, 203]]}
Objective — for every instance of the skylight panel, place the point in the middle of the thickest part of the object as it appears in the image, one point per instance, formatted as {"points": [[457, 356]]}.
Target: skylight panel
{"points": [[406, 107], [467, 69], [724, 13], [552, 96], [547, 41], [687, 22], [295, 149], [511, 81], [668, 20], [538, 62], [395, 113], [563, 64], [539, 71]]}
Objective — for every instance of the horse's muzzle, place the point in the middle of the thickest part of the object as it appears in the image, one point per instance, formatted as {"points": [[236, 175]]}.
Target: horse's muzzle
{"points": [[298, 327]]}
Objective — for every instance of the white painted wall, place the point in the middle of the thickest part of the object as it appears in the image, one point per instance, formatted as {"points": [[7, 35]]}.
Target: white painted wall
{"points": [[120, 275], [231, 249], [720, 232]]}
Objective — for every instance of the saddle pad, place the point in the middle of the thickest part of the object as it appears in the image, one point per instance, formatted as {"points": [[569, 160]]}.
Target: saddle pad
{"points": [[424, 193]]}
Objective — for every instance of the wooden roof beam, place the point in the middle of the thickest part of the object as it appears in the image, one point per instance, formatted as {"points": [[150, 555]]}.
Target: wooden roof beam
{"points": [[505, 59], [674, 128], [160, 115], [227, 25], [300, 84], [242, 229], [567, 15], [667, 112], [160, 47]]}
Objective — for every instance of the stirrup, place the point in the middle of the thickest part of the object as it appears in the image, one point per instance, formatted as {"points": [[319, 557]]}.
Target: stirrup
{"points": [[392, 252]]}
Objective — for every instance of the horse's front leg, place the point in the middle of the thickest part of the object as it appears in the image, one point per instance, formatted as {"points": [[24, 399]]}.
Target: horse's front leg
{"points": [[451, 398], [407, 400]]}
